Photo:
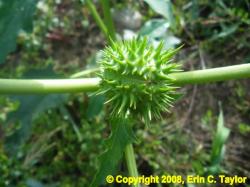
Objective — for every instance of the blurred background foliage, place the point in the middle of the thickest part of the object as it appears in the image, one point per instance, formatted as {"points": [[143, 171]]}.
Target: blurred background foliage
{"points": [[55, 140]]}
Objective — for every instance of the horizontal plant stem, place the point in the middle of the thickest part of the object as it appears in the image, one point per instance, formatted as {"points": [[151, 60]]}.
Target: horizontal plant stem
{"points": [[212, 75], [41, 86]]}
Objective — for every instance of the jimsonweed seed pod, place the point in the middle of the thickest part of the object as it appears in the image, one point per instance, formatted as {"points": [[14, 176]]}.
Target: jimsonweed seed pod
{"points": [[135, 79]]}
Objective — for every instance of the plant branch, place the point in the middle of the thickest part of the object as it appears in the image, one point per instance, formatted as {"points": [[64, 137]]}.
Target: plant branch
{"points": [[131, 163], [97, 18], [212, 75], [108, 18], [85, 73], [41, 86]]}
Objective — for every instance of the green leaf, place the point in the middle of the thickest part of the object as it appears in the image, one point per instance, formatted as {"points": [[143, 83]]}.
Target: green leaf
{"points": [[164, 8], [120, 137], [95, 106], [244, 128], [218, 146], [226, 31], [34, 183], [14, 16], [154, 27], [157, 30], [31, 106]]}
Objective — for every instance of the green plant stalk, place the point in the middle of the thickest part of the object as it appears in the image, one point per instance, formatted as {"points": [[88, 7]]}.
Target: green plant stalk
{"points": [[45, 86], [97, 18], [131, 163], [108, 18], [41, 86], [85, 73], [212, 75]]}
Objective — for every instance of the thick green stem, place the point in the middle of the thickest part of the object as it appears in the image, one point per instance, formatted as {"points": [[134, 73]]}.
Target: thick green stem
{"points": [[131, 163], [40, 86], [108, 18], [212, 75]]}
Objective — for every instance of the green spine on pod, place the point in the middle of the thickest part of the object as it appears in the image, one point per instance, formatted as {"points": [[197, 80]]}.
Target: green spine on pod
{"points": [[135, 78]]}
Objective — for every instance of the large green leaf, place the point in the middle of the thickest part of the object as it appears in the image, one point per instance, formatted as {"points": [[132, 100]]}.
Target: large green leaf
{"points": [[14, 16], [120, 137], [30, 107]]}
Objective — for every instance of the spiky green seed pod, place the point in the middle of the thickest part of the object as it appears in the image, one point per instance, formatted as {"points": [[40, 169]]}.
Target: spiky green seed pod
{"points": [[135, 79]]}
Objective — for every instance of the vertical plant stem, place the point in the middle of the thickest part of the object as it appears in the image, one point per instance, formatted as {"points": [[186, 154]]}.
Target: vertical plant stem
{"points": [[97, 18], [131, 163], [108, 18]]}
